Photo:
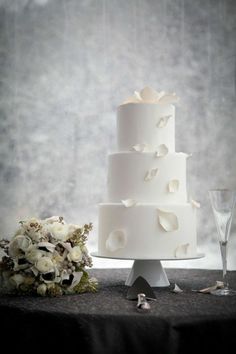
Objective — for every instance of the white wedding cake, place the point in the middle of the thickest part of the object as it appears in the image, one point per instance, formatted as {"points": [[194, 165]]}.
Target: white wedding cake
{"points": [[147, 214]]}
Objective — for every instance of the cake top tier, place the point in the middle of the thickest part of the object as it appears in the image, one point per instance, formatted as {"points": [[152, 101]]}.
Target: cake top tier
{"points": [[149, 95]]}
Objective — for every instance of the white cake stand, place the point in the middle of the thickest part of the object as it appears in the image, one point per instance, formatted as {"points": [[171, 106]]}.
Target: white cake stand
{"points": [[150, 269]]}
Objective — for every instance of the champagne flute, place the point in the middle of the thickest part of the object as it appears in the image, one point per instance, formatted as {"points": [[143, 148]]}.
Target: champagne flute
{"points": [[223, 202]]}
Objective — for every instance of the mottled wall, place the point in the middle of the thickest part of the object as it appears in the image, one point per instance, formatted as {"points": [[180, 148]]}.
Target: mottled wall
{"points": [[66, 65]]}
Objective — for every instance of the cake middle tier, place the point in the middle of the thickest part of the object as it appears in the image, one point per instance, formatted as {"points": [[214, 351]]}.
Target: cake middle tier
{"points": [[144, 177]]}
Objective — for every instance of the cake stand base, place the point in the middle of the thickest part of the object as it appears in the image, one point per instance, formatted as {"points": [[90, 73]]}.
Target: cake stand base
{"points": [[150, 270]]}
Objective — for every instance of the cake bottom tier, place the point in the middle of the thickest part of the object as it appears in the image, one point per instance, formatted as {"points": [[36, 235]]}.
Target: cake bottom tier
{"points": [[147, 231]]}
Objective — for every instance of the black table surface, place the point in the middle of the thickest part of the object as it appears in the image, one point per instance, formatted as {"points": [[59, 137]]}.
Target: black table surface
{"points": [[106, 322]]}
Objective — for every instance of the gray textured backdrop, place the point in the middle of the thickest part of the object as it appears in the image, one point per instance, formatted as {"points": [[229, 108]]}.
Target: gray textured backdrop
{"points": [[66, 65]]}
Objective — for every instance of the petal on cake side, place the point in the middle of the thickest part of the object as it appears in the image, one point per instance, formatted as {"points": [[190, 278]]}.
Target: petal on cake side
{"points": [[162, 151], [151, 174], [163, 121], [128, 203], [181, 250], [142, 148], [117, 239], [168, 220], [173, 186], [195, 203]]}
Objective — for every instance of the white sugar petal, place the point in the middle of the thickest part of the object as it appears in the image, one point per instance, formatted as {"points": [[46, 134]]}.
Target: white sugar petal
{"points": [[142, 148], [163, 121], [167, 220], [195, 203], [173, 186], [151, 174], [129, 203], [137, 96], [148, 94], [162, 151], [117, 239], [131, 99], [208, 290], [181, 250], [177, 289], [169, 98]]}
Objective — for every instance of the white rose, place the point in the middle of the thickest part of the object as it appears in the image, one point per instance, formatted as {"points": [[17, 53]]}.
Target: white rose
{"points": [[18, 244], [44, 265], [17, 280], [33, 254], [75, 254], [41, 289], [58, 230]]}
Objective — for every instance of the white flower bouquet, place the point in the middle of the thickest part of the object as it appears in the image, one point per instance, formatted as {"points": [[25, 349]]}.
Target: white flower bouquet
{"points": [[46, 257]]}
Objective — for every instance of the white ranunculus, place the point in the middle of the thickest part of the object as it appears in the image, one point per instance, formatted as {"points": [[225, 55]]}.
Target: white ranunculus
{"points": [[18, 244], [33, 254], [75, 254], [44, 265], [58, 230], [17, 280], [41, 289]]}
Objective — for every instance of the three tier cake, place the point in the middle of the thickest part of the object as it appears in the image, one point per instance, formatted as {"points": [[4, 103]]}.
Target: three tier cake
{"points": [[147, 214]]}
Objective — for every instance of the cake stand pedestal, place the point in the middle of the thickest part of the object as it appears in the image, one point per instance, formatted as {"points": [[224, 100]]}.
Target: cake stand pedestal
{"points": [[150, 269]]}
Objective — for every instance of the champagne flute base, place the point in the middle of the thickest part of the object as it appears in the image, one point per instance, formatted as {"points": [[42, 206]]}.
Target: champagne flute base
{"points": [[223, 292]]}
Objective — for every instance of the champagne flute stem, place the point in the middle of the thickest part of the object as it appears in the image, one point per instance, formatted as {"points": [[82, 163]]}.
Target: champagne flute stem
{"points": [[223, 249]]}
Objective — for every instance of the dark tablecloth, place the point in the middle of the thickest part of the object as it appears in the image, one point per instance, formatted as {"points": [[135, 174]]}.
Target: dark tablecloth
{"points": [[106, 322]]}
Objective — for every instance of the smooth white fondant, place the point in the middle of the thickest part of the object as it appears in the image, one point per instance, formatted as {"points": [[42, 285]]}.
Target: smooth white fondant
{"points": [[115, 240], [126, 173], [168, 220], [145, 238], [136, 124]]}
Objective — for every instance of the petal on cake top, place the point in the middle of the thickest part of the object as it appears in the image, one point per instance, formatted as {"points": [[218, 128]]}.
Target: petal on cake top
{"points": [[117, 239], [128, 203], [182, 250], [142, 147], [163, 121], [151, 174], [173, 186], [195, 203], [169, 98], [148, 94], [137, 96], [168, 220], [162, 151]]}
